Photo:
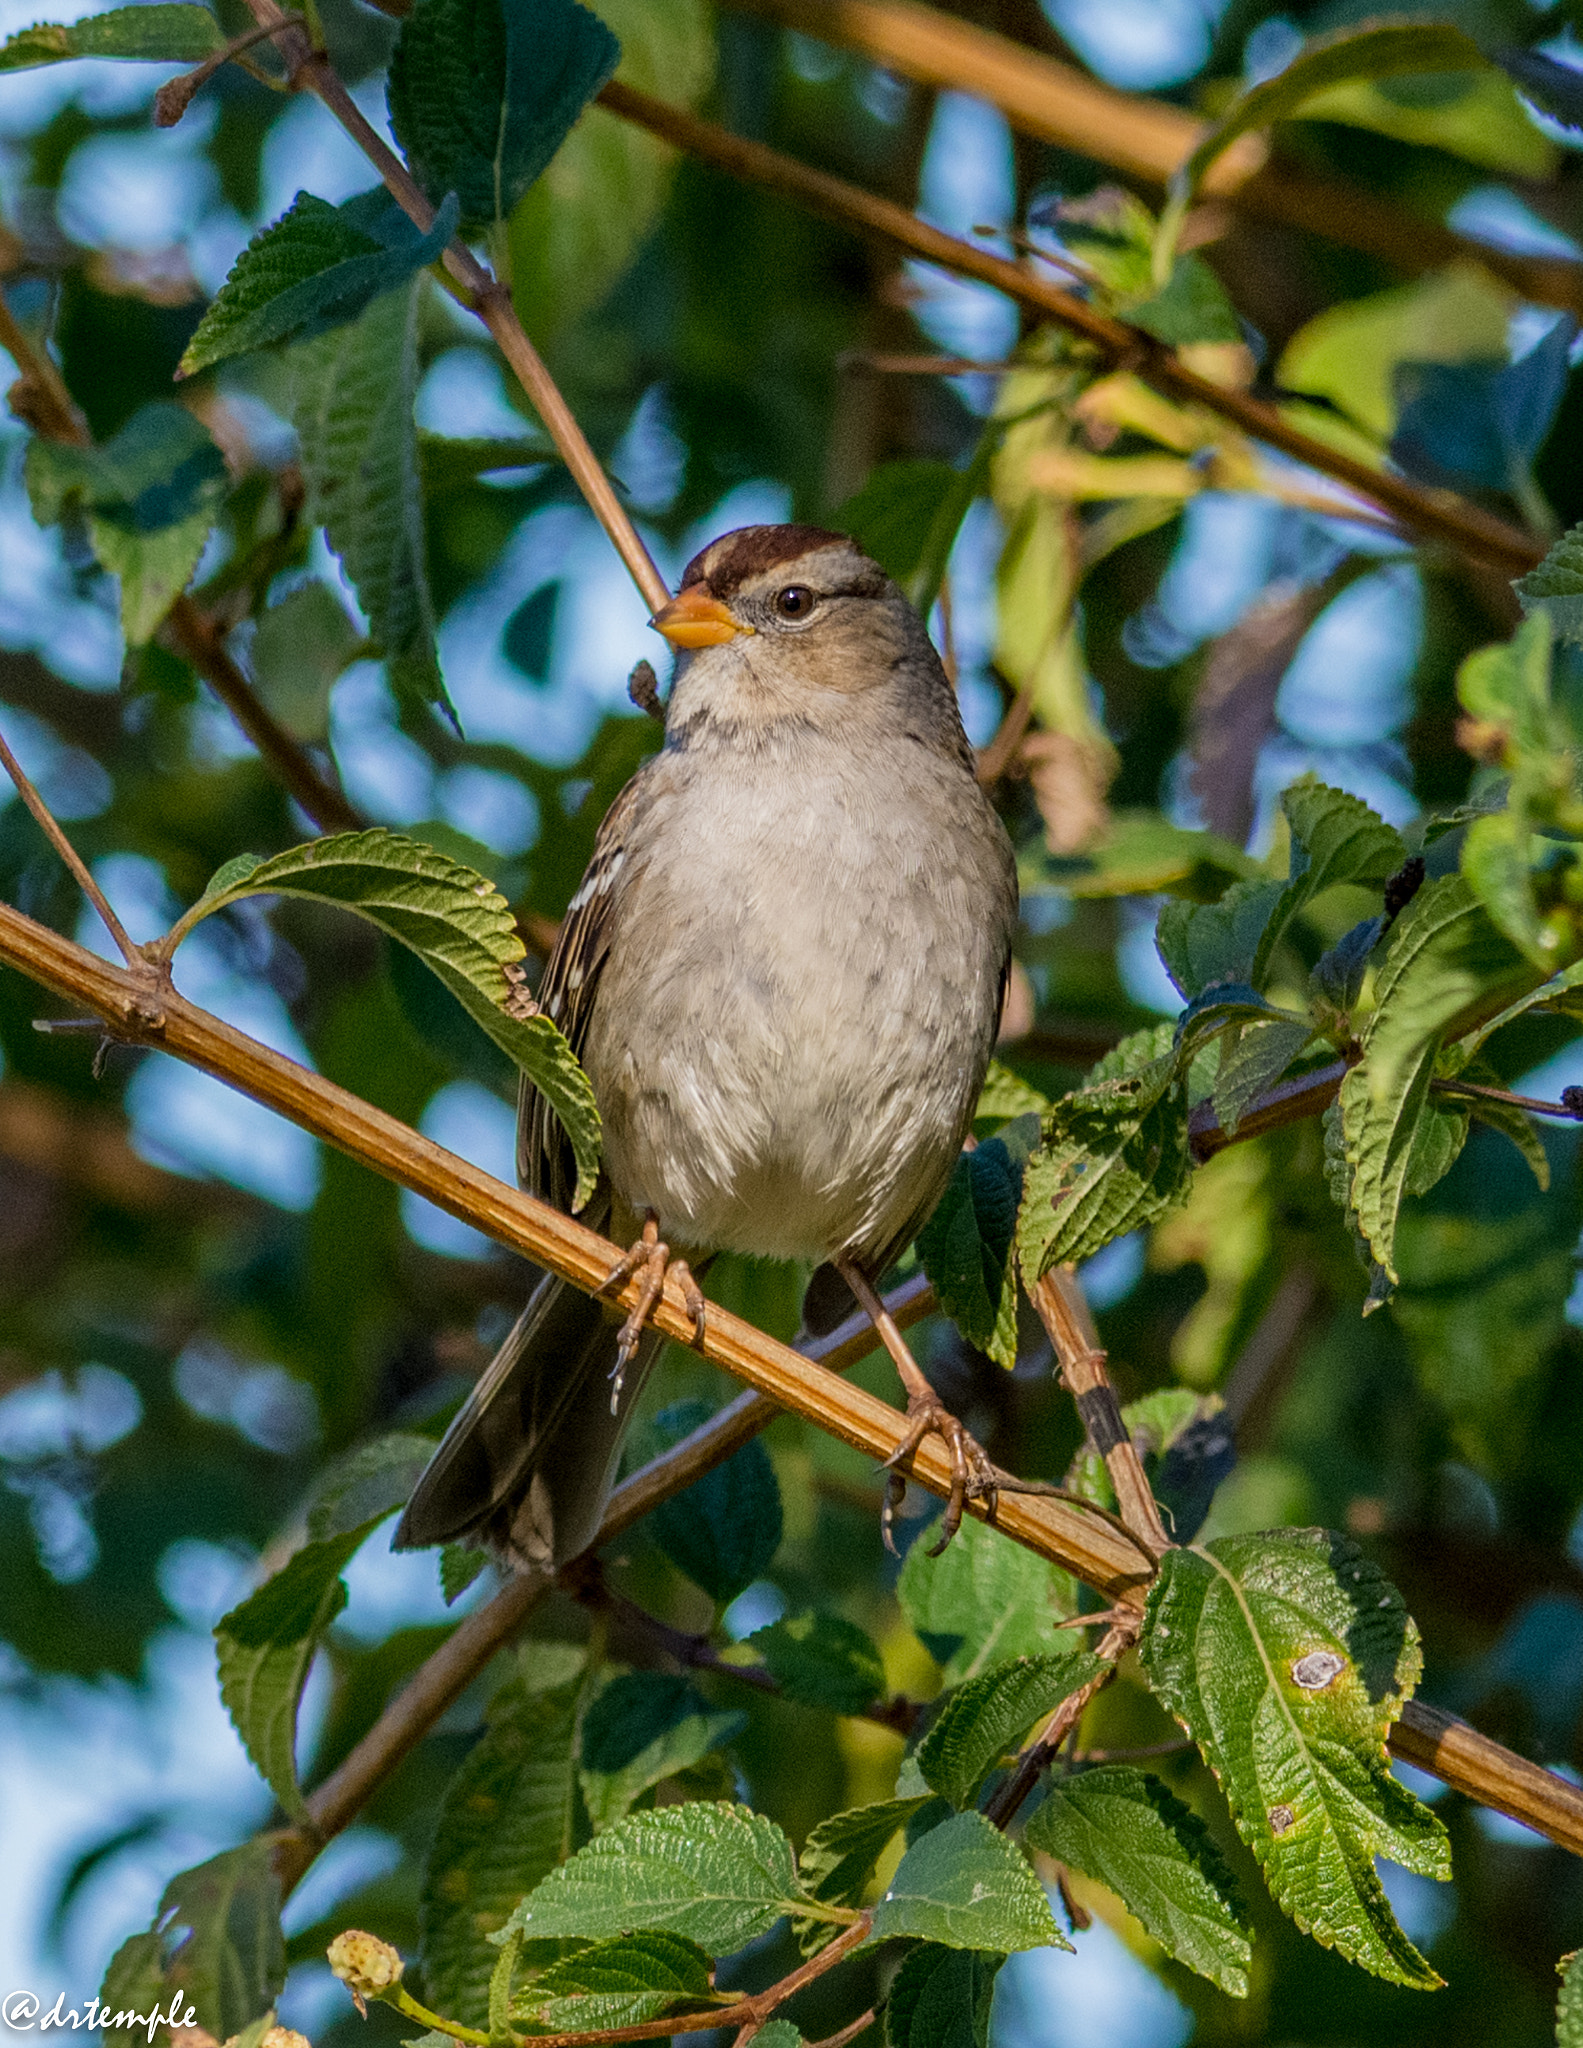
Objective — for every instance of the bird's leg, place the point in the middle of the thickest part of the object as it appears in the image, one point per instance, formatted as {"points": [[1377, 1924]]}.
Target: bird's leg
{"points": [[653, 1259], [973, 1477]]}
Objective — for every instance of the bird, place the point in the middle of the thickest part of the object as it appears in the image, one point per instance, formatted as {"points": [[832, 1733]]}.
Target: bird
{"points": [[783, 972]]}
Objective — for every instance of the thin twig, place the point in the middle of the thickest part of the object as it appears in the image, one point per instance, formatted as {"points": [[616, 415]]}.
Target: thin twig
{"points": [[1453, 1085], [176, 95], [847, 2033], [1007, 1802], [76, 866], [1438, 515]]}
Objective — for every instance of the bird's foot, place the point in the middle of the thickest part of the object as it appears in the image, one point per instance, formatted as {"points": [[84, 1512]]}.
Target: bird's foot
{"points": [[973, 1477], [651, 1257]]}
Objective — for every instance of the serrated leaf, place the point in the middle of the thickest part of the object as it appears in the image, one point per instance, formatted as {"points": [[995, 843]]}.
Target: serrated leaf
{"points": [[460, 927], [1287, 1657], [982, 1600], [1556, 587], [1115, 1157], [162, 33], [1497, 865], [352, 394], [724, 1531], [645, 1726], [224, 1917], [940, 1998], [482, 94], [1132, 1833], [134, 1983], [840, 1853], [1336, 838], [964, 1885], [1253, 1062], [719, 1875], [965, 1249], [367, 1483], [506, 1820], [780, 2033], [618, 1983], [1201, 944], [822, 1660], [1006, 1096], [1569, 2004], [266, 1648], [988, 1716], [149, 496], [315, 268], [1381, 50], [1445, 957], [1338, 974]]}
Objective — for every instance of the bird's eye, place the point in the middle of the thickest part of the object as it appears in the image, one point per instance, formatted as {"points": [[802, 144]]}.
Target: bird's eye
{"points": [[795, 602]]}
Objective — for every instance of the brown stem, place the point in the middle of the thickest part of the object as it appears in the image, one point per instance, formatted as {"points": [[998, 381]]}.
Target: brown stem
{"points": [[1452, 1086], [1003, 1809], [1288, 1102], [848, 2033], [1438, 515], [488, 298], [76, 866], [176, 95], [1065, 1315], [1147, 139]]}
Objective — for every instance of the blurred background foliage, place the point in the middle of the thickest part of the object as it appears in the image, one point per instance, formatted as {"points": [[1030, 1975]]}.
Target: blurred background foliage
{"points": [[198, 1307]]}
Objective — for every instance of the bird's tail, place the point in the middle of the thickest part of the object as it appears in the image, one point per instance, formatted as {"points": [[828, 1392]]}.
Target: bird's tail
{"points": [[530, 1460]]}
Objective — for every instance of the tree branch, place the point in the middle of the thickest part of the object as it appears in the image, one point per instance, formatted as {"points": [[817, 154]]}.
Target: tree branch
{"points": [[1148, 139], [1438, 515]]}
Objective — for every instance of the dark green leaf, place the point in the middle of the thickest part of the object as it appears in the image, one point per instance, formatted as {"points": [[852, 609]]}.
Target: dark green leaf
{"points": [[1005, 1096], [1192, 307], [460, 1565], [1287, 1657], [965, 1248], [1336, 838], [840, 1853], [940, 1998], [822, 1660], [162, 33], [1131, 1832], [907, 517], [724, 1531], [150, 497], [982, 1600], [618, 1983], [1253, 1061], [366, 1483], [352, 393], [133, 1985], [483, 93], [313, 269], [1556, 587], [224, 1919], [985, 1718], [716, 1874], [1338, 974], [965, 1886], [505, 1822], [1205, 943], [645, 1726], [460, 927]]}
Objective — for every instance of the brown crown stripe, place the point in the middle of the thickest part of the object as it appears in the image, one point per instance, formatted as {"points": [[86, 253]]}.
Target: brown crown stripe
{"points": [[726, 564]]}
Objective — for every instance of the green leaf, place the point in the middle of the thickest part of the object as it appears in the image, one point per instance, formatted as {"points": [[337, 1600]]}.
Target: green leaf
{"points": [[150, 497], [1203, 944], [266, 1649], [301, 647], [719, 1875], [1132, 1833], [1192, 307], [1569, 2006], [618, 1983], [134, 1984], [908, 514], [482, 93], [1445, 958], [505, 1822], [315, 268], [1337, 976], [940, 1998], [581, 224], [982, 1600], [1006, 1096], [162, 33], [988, 1716], [1384, 50], [645, 1726], [724, 1531], [840, 1853], [1336, 838], [965, 1249], [367, 1483], [1143, 854], [352, 393], [1287, 1657], [1253, 1061], [1509, 685], [223, 1917], [822, 1660], [1115, 1157], [1556, 587], [460, 1565], [781, 2033], [460, 927], [965, 1886]]}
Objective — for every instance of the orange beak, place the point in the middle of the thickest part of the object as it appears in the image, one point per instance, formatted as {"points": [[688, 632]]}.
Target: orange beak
{"points": [[695, 619]]}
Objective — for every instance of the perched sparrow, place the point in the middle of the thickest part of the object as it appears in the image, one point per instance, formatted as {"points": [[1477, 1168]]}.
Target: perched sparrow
{"points": [[783, 972]]}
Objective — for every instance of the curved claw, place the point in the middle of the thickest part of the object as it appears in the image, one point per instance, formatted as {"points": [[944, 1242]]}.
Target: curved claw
{"points": [[652, 1257], [973, 1477]]}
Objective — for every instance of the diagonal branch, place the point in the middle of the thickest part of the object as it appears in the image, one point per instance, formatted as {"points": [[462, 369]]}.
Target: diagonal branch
{"points": [[1437, 515], [1148, 139]]}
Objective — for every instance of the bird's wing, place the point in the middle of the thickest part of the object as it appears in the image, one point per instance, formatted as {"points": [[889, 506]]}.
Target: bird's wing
{"points": [[545, 1166]]}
